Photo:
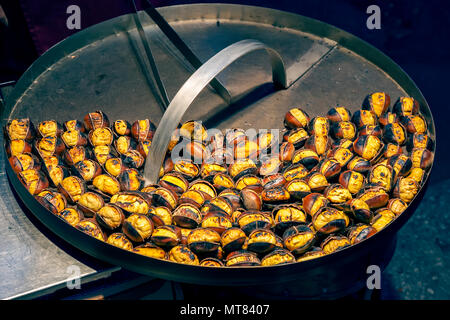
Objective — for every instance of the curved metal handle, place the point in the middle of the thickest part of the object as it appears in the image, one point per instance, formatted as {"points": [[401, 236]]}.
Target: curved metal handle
{"points": [[192, 88]]}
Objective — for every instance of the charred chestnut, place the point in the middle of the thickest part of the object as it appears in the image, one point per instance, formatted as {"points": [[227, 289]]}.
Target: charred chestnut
{"points": [[319, 144], [174, 182], [250, 181], [121, 127], [368, 147], [388, 118], [91, 228], [49, 128], [374, 130], [343, 130], [261, 241], [87, 169], [277, 257], [71, 216], [317, 182], [131, 202], [297, 137], [406, 106], [298, 239], [160, 216], [217, 204], [252, 220], [311, 255], [187, 168], [296, 118], [211, 262], [394, 133], [24, 161], [375, 197], [95, 120], [217, 221], [382, 175], [20, 129], [242, 167], [298, 189], [421, 158], [391, 149], [222, 181], [337, 194], [286, 151], [400, 164], [339, 114], [417, 174], [74, 125], [251, 199], [360, 210], [382, 218], [377, 102], [352, 180], [73, 138], [203, 240], [193, 197], [414, 123], [130, 179], [319, 126], [106, 184], [15, 147], [362, 118], [76, 154], [313, 203], [359, 164], [49, 146], [232, 239], [143, 130], [406, 189], [360, 232], [110, 217], [334, 243], [53, 201], [123, 144], [150, 250], [308, 158], [208, 170], [182, 254], [205, 187], [143, 147], [120, 240], [275, 195], [187, 216], [138, 227], [419, 140], [166, 236], [194, 130], [242, 258], [329, 220], [295, 171], [89, 203], [330, 168], [101, 154], [114, 166], [72, 188], [133, 159]]}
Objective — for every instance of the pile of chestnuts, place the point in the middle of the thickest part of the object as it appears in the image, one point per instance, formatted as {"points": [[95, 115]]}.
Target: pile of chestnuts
{"points": [[334, 181]]}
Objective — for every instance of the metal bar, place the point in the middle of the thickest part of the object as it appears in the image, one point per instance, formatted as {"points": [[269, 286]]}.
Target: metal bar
{"points": [[192, 87], [154, 68], [183, 48]]}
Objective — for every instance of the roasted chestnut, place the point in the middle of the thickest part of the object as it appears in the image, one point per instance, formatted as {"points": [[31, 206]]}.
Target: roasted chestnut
{"points": [[242, 167], [194, 130], [217, 221], [89, 203], [391, 149], [343, 130], [397, 206], [330, 168], [295, 171], [49, 128], [137, 227], [95, 120], [334, 243], [296, 118], [232, 239], [121, 127], [49, 146], [311, 255], [308, 158], [187, 216], [76, 154], [72, 188], [317, 182], [160, 216], [211, 262], [114, 166], [120, 240], [329, 220], [106, 184], [414, 123], [352, 180], [274, 180], [298, 189], [419, 140], [71, 215], [382, 218], [133, 159], [400, 164], [87, 169], [270, 166], [182, 254], [166, 236], [394, 133], [222, 181], [337, 194], [342, 143], [421, 158], [298, 239], [406, 189], [275, 195], [251, 199], [74, 125], [313, 203], [359, 164], [246, 149], [417, 174], [382, 175], [375, 197], [249, 181], [143, 147], [377, 102], [369, 147], [150, 250], [203, 240], [24, 161], [131, 202], [360, 232], [261, 241], [91, 228], [277, 257], [339, 114], [387, 118], [53, 201], [286, 151], [217, 204], [363, 118], [205, 187], [73, 138], [319, 126], [15, 147], [373, 130], [242, 258], [252, 220], [101, 154], [360, 210], [110, 217], [406, 106], [20, 129], [193, 197], [319, 144], [297, 137], [187, 168], [174, 182], [208, 170], [123, 144]]}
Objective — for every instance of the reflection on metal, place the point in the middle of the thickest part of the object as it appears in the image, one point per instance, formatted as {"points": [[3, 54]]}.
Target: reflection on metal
{"points": [[191, 88]]}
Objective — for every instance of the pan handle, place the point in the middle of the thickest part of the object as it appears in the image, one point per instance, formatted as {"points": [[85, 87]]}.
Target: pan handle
{"points": [[192, 88]]}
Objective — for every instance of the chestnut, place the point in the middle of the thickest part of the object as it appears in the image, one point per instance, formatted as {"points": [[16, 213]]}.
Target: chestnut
{"points": [[160, 216], [319, 144], [76, 154], [329, 220], [339, 114], [246, 149], [330, 168], [164, 197], [421, 158], [95, 120], [417, 174], [49, 146], [187, 168], [394, 133], [298, 239], [138, 227], [419, 140], [123, 144], [266, 143], [91, 228], [74, 125], [406, 106], [343, 130], [375, 197], [342, 143], [382, 218], [120, 240], [250, 181], [334, 243], [374, 130], [242, 167], [131, 179], [251, 199], [197, 152], [298, 189], [175, 182], [106, 184], [391, 149], [362, 118], [414, 123], [406, 189], [359, 164], [194, 130], [71, 215], [101, 154], [296, 118], [270, 166], [72, 188], [310, 255], [308, 158], [24, 161], [110, 217], [232, 239], [242, 258], [87, 169], [114, 166], [187, 216], [217, 221], [295, 171], [53, 201], [49, 128], [382, 175], [208, 170], [397, 206], [203, 240], [193, 197], [251, 220], [377, 102], [222, 181], [233, 197], [360, 232], [217, 204], [275, 195], [388, 118], [211, 262], [143, 147], [296, 136], [133, 159], [313, 203], [150, 250], [274, 180], [317, 182], [20, 129], [205, 187], [400, 164], [56, 174], [352, 180], [15, 147], [368, 147], [73, 138], [337, 194], [360, 210], [121, 127], [319, 126], [166, 236], [277, 257], [182, 254], [261, 241], [89, 203], [286, 151]]}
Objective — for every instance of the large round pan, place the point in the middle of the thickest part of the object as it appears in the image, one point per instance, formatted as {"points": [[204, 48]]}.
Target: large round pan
{"points": [[101, 67]]}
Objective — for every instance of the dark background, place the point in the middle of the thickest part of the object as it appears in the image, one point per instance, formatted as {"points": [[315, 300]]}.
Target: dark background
{"points": [[415, 34]]}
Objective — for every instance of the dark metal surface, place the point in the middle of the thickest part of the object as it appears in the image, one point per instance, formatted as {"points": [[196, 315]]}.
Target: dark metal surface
{"points": [[68, 82]]}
